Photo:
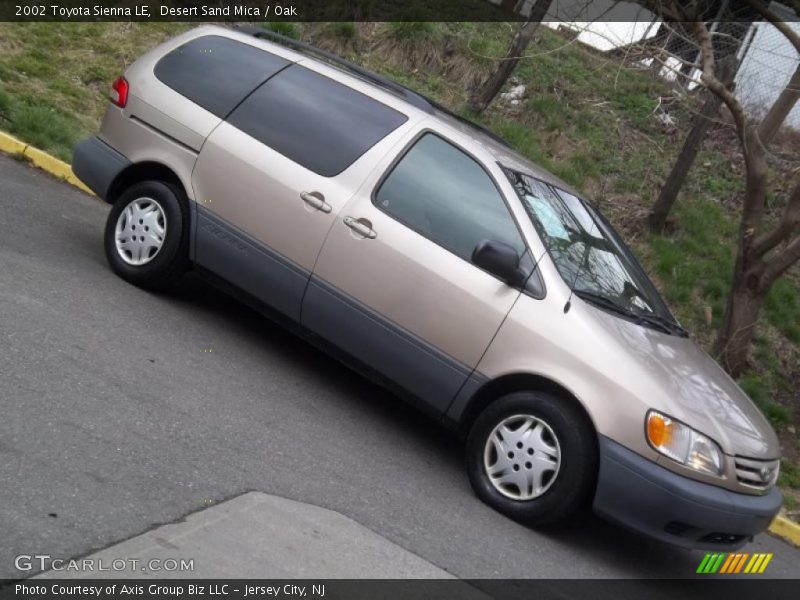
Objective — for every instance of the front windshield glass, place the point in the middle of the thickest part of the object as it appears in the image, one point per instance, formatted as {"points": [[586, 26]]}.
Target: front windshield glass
{"points": [[587, 252]]}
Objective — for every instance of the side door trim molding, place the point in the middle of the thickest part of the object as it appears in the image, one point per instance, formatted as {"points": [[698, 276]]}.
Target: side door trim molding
{"points": [[410, 362]]}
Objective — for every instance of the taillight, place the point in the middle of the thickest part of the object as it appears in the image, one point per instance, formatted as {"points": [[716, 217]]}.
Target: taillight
{"points": [[119, 92]]}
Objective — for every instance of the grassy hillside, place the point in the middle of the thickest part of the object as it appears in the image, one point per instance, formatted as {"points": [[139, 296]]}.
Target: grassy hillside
{"points": [[587, 118]]}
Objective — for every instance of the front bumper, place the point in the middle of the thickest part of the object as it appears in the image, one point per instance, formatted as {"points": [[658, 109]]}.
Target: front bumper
{"points": [[97, 165], [641, 495]]}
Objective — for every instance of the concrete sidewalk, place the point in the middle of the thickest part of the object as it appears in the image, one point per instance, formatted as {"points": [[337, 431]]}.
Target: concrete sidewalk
{"points": [[258, 535]]}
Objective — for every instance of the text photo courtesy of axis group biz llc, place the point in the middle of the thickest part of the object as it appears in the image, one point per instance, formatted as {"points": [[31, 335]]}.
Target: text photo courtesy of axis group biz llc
{"points": [[400, 299]]}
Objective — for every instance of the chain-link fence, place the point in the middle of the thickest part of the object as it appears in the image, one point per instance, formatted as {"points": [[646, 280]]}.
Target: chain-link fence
{"points": [[762, 60]]}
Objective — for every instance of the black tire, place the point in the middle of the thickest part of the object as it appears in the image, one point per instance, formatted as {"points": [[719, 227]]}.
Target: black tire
{"points": [[577, 471], [172, 259]]}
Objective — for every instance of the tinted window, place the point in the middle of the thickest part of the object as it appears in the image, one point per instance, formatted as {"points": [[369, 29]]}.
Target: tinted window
{"points": [[439, 191], [315, 121], [216, 72]]}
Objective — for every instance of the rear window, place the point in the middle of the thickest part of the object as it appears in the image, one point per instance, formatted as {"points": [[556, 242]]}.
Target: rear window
{"points": [[318, 123], [217, 72]]}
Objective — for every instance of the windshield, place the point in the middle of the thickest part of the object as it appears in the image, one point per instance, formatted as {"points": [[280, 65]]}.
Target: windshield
{"points": [[590, 256]]}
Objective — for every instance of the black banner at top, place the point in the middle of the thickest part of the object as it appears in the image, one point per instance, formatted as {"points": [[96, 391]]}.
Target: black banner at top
{"points": [[359, 10]]}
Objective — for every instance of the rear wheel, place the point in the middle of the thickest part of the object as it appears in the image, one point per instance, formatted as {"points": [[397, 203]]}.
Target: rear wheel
{"points": [[533, 457], [147, 235]]}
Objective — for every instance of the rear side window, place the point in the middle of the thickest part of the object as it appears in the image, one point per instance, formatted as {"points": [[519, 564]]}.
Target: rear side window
{"points": [[318, 123], [444, 194], [217, 72]]}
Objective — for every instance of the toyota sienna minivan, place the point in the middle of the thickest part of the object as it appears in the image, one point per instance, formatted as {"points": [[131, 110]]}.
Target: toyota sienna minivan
{"points": [[423, 251]]}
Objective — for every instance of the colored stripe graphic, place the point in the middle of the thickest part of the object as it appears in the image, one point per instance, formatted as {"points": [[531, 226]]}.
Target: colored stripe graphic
{"points": [[767, 558], [740, 564], [734, 562], [728, 564], [753, 562], [703, 563]]}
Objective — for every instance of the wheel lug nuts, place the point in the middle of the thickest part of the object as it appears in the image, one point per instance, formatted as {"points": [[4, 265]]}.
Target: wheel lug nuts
{"points": [[530, 451]]}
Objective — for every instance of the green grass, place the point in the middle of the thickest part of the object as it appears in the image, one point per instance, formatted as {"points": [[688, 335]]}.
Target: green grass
{"points": [[757, 387], [55, 77], [289, 29], [411, 31], [789, 475], [44, 127], [343, 30]]}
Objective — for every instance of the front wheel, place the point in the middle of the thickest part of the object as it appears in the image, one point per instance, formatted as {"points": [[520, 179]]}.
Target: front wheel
{"points": [[147, 235], [533, 457]]}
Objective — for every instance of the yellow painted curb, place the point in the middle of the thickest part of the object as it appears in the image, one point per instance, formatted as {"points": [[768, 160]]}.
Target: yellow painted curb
{"points": [[41, 159], [786, 529]]}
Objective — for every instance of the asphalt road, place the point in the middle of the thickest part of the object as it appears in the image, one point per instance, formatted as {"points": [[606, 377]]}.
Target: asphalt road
{"points": [[121, 409]]}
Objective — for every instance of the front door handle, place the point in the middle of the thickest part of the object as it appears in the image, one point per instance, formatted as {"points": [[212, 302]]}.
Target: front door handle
{"points": [[362, 227], [316, 200]]}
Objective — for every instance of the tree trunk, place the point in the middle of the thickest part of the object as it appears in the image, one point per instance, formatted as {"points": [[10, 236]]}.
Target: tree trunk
{"points": [[780, 110], [749, 286], [741, 315], [657, 218], [509, 5], [483, 96]]}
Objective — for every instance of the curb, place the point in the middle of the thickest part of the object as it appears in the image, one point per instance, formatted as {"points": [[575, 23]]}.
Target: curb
{"points": [[780, 526], [42, 160], [785, 529]]}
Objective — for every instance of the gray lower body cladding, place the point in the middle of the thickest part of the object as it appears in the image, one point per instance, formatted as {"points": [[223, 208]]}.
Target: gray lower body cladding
{"points": [[424, 371], [249, 265], [643, 496], [97, 165]]}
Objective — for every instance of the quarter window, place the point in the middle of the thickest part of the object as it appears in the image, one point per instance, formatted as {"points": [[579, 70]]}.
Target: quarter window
{"points": [[216, 72], [442, 193]]}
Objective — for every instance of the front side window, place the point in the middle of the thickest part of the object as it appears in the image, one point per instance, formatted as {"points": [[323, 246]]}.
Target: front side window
{"points": [[589, 255], [445, 195]]}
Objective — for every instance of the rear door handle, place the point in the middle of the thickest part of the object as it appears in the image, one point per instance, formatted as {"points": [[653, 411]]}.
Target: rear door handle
{"points": [[362, 227], [316, 200]]}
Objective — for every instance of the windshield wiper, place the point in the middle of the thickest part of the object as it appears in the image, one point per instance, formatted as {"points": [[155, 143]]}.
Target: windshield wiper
{"points": [[668, 324], [605, 302], [653, 321]]}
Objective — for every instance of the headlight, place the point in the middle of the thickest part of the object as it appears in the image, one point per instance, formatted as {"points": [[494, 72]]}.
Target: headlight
{"points": [[683, 444]]}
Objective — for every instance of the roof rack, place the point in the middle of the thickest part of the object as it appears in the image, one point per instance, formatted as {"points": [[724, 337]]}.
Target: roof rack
{"points": [[414, 98]]}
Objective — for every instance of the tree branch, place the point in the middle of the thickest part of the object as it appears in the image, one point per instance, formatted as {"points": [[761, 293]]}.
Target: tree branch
{"points": [[781, 263], [789, 221], [779, 24], [710, 80]]}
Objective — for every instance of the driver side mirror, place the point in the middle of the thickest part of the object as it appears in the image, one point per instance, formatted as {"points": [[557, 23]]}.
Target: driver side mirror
{"points": [[500, 259]]}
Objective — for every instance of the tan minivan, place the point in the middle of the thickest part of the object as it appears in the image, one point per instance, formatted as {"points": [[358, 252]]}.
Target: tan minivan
{"points": [[426, 253]]}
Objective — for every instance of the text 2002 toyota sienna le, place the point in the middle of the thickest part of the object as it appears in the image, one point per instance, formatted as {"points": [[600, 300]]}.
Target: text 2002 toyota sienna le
{"points": [[425, 252]]}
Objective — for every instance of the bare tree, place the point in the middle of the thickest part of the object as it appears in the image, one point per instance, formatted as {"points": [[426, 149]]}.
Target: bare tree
{"points": [[482, 97], [702, 120], [764, 251]]}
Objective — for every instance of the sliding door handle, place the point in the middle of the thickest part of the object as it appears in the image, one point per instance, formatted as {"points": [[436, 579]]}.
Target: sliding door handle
{"points": [[316, 200], [362, 227]]}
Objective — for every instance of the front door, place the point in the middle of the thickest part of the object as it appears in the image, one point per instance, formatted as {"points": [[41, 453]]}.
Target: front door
{"points": [[394, 284]]}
